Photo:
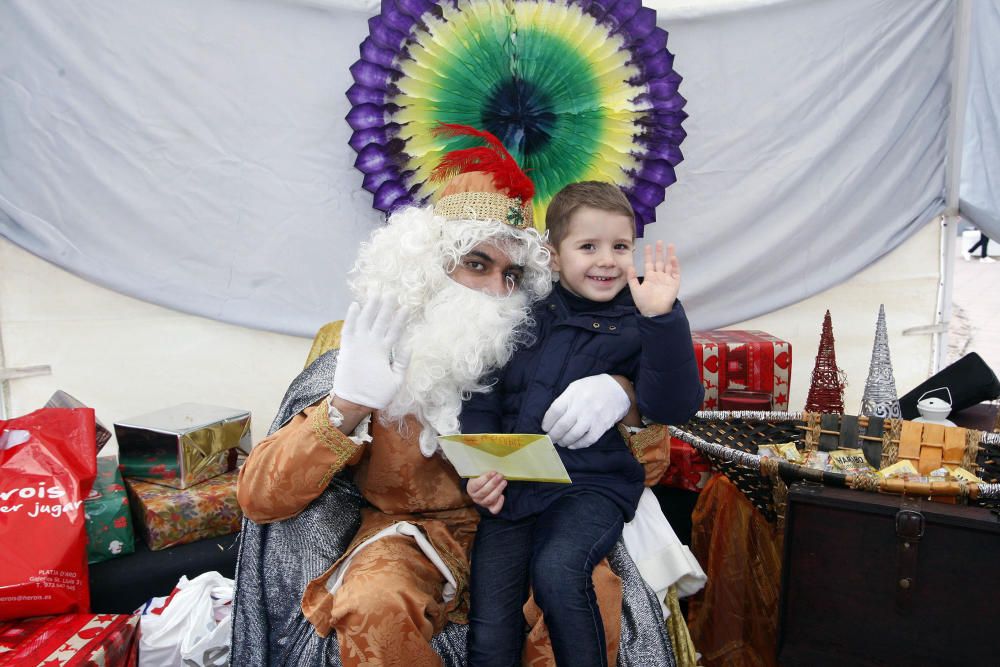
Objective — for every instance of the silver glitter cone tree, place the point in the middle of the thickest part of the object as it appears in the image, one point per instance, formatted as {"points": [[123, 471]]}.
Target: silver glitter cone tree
{"points": [[880, 399]]}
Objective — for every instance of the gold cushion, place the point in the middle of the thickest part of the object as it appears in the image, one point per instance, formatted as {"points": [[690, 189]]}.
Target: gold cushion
{"points": [[327, 338]]}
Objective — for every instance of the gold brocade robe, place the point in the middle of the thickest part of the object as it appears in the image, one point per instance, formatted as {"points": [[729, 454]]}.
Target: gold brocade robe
{"points": [[289, 469]]}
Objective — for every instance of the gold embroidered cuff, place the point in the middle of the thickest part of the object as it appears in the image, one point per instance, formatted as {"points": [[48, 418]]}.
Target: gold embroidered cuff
{"points": [[342, 446], [362, 432], [644, 439]]}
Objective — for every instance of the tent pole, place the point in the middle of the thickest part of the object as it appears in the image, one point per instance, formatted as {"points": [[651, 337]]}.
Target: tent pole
{"points": [[953, 177]]}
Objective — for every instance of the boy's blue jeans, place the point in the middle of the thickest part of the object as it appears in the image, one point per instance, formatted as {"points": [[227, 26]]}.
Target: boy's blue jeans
{"points": [[554, 552]]}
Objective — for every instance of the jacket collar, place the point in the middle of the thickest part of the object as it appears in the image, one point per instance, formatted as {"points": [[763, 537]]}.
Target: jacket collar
{"points": [[585, 313]]}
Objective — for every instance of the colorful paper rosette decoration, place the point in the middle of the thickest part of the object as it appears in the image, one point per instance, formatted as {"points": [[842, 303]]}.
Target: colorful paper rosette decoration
{"points": [[575, 89]]}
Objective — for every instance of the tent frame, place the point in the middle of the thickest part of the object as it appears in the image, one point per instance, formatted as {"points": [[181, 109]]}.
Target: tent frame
{"points": [[952, 214]]}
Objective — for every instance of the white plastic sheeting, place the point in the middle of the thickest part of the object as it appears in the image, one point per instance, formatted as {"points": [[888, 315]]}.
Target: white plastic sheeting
{"points": [[194, 154], [980, 190]]}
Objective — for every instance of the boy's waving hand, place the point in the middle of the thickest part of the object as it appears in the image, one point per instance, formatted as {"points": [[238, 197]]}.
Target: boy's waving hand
{"points": [[661, 283]]}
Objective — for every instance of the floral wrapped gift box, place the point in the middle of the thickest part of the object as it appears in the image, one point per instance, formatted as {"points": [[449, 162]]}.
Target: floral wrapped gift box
{"points": [[166, 517]]}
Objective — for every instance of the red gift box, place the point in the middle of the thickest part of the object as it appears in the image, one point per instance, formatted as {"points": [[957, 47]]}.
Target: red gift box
{"points": [[737, 366], [688, 469], [71, 640], [745, 400]]}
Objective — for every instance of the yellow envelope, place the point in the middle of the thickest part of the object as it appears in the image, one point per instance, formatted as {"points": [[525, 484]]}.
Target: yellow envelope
{"points": [[517, 456]]}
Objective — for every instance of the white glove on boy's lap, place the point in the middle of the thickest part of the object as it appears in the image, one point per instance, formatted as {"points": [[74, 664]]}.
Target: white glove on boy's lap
{"points": [[585, 411], [365, 373]]}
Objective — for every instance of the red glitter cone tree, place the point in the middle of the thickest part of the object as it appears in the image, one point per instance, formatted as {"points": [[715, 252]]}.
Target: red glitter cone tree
{"points": [[826, 393]]}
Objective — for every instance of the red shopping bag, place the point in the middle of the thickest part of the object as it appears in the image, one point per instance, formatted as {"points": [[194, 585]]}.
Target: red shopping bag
{"points": [[47, 467]]}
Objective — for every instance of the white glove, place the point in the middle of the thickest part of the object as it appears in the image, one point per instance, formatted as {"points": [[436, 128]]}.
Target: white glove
{"points": [[365, 373], [585, 411]]}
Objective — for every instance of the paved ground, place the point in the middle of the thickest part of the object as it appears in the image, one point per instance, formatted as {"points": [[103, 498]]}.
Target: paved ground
{"points": [[975, 325]]}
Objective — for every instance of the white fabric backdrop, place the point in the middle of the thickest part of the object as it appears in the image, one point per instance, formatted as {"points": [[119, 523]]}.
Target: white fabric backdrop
{"points": [[980, 190], [194, 154]]}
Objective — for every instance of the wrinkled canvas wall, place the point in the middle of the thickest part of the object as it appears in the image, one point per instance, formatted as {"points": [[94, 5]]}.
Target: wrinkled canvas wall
{"points": [[980, 189], [194, 154]]}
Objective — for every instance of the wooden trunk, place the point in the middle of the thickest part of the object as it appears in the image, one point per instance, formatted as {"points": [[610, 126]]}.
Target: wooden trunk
{"points": [[873, 579]]}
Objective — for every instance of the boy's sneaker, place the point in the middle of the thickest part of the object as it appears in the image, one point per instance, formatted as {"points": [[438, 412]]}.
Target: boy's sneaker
{"points": [[966, 256], [987, 260]]}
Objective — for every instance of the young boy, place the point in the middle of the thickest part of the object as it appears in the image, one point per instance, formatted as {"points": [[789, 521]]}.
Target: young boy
{"points": [[599, 319]]}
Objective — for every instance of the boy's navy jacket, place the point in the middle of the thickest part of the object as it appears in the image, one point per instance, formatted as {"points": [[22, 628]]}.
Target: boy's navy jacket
{"points": [[575, 338]]}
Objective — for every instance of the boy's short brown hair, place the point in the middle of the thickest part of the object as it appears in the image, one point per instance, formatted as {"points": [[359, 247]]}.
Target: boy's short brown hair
{"points": [[594, 194]]}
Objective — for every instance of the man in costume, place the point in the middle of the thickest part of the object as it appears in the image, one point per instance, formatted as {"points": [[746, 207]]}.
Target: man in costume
{"points": [[353, 477]]}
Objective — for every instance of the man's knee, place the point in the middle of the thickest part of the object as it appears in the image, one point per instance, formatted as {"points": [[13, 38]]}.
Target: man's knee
{"points": [[384, 620], [391, 590], [383, 597]]}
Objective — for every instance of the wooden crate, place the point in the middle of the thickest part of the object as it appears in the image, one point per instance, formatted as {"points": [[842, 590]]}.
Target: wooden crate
{"points": [[875, 579]]}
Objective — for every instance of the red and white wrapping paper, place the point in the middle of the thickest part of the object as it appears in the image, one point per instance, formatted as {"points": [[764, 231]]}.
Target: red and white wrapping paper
{"points": [[743, 361], [71, 640]]}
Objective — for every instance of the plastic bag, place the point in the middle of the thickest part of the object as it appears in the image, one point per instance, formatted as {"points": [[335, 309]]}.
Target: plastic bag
{"points": [[191, 626], [47, 466]]}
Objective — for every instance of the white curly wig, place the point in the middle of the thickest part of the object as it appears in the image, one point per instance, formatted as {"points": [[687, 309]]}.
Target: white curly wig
{"points": [[456, 335], [418, 249]]}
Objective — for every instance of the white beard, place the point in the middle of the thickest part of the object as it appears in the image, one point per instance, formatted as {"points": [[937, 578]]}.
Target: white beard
{"points": [[460, 336]]}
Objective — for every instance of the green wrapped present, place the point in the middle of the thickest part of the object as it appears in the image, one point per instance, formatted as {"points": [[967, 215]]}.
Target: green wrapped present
{"points": [[109, 522]]}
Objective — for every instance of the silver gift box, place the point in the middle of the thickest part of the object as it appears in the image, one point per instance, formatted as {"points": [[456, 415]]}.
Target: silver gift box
{"points": [[183, 445]]}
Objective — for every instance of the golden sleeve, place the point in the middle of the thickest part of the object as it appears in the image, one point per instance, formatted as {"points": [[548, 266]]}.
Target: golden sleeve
{"points": [[651, 448], [290, 468]]}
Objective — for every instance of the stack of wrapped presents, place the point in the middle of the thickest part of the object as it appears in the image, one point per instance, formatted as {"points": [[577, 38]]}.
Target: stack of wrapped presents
{"points": [[180, 467], [67, 502]]}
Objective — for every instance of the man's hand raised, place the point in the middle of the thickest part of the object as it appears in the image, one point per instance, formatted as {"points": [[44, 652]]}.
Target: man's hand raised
{"points": [[366, 372], [661, 283]]}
